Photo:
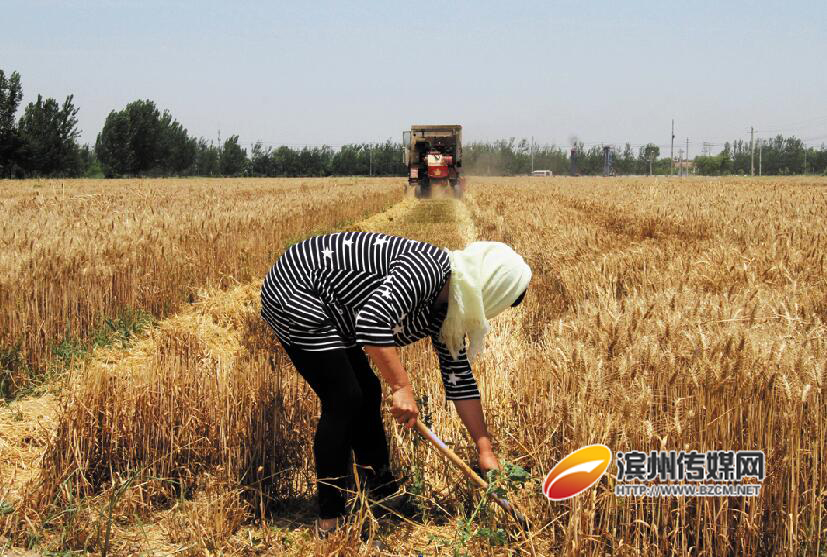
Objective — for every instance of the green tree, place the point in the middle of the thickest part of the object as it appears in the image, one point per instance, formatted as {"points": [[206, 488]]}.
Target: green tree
{"points": [[709, 165], [11, 93], [139, 140], [351, 160], [624, 162], [261, 164], [112, 146], [144, 135], [90, 165], [551, 158], [283, 161], [317, 161], [591, 162], [233, 161], [176, 150], [206, 159], [649, 153], [50, 132], [387, 159]]}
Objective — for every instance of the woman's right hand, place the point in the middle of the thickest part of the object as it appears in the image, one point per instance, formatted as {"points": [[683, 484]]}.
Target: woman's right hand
{"points": [[404, 406], [387, 360]]}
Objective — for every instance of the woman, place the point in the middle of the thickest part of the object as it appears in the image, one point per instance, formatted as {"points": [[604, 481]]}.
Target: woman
{"points": [[334, 299]]}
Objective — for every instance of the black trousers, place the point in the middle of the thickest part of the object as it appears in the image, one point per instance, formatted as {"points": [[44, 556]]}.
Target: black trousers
{"points": [[351, 398]]}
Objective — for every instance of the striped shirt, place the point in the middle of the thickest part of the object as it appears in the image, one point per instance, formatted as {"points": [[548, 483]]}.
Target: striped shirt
{"points": [[362, 288]]}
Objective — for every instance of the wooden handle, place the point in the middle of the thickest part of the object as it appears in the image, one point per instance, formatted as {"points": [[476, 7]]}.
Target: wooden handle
{"points": [[452, 456], [468, 471]]}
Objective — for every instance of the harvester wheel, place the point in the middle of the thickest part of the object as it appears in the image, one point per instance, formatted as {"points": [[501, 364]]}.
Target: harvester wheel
{"points": [[423, 191], [456, 188]]}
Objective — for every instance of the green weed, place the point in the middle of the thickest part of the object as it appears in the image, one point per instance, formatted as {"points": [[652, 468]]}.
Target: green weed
{"points": [[501, 483], [12, 365], [117, 331]]}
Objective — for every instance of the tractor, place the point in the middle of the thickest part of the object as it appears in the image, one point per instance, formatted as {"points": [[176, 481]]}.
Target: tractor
{"points": [[433, 155]]}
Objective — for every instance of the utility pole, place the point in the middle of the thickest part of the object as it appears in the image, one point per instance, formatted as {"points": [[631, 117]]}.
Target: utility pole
{"points": [[805, 158], [609, 161], [370, 160], [672, 151], [532, 154], [687, 156], [760, 157], [751, 151]]}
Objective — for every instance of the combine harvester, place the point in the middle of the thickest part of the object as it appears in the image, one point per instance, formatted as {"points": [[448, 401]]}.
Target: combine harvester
{"points": [[433, 155]]}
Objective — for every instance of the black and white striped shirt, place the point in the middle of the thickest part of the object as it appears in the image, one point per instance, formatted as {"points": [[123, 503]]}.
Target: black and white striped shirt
{"points": [[363, 288]]}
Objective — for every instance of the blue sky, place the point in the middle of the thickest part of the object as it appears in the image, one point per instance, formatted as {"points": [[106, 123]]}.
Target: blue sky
{"points": [[336, 72]]}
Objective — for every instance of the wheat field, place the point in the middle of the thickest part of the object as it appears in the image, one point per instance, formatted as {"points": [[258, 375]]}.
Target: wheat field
{"points": [[74, 253], [664, 314]]}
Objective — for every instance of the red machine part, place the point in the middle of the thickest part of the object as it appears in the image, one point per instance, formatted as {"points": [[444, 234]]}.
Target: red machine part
{"points": [[439, 172], [438, 165]]}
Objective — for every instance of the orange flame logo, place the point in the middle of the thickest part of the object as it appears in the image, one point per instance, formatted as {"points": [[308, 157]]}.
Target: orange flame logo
{"points": [[577, 472]]}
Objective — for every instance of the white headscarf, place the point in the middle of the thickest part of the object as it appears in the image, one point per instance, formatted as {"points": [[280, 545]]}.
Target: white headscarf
{"points": [[486, 278]]}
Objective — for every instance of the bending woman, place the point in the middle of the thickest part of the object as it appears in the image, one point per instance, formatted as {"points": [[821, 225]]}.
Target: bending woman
{"points": [[336, 300]]}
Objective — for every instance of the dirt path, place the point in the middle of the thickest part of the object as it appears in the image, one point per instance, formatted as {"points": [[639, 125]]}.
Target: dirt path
{"points": [[25, 427]]}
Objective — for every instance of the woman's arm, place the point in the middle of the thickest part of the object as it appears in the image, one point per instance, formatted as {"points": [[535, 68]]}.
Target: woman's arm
{"points": [[387, 360], [461, 388], [405, 411], [470, 412]]}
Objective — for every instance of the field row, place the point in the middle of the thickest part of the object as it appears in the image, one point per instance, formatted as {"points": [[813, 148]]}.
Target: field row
{"points": [[74, 254]]}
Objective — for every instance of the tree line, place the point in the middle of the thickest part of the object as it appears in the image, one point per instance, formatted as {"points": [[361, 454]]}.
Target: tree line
{"points": [[776, 156], [142, 140]]}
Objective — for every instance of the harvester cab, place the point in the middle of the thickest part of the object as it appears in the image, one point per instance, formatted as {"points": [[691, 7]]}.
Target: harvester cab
{"points": [[433, 155]]}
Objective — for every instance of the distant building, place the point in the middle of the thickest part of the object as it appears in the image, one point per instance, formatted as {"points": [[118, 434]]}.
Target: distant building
{"points": [[684, 168], [542, 173]]}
